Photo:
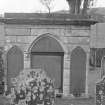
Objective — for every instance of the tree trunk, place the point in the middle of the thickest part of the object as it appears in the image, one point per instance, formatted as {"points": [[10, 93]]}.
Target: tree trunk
{"points": [[78, 5], [85, 7], [74, 6], [71, 6], [49, 9]]}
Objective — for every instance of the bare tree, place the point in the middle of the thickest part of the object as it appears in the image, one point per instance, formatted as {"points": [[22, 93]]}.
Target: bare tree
{"points": [[87, 4], [47, 4], [75, 6]]}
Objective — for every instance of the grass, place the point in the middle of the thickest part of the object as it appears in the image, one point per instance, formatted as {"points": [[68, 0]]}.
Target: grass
{"points": [[4, 101]]}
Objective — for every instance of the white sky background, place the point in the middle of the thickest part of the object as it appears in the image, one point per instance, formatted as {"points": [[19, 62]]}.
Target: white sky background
{"points": [[35, 5]]}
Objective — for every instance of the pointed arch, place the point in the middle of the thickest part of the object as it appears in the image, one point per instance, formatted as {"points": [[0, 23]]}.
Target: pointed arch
{"points": [[78, 71], [15, 63], [47, 53], [51, 38]]}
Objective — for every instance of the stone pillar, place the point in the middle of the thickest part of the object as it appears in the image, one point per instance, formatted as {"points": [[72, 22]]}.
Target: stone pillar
{"points": [[66, 75], [87, 70], [26, 60], [6, 49], [2, 35], [5, 71]]}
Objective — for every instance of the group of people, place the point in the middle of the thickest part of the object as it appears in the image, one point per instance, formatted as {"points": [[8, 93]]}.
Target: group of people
{"points": [[32, 87]]}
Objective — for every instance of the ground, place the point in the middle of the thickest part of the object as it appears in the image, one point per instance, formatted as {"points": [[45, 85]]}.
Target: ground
{"points": [[94, 76], [90, 101], [62, 101]]}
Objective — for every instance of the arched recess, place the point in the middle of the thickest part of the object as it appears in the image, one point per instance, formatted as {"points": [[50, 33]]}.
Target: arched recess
{"points": [[103, 67], [1, 66], [1, 71], [15, 63], [78, 71], [47, 54]]}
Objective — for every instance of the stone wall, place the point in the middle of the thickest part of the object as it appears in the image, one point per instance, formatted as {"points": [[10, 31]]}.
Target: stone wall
{"points": [[98, 35], [68, 36], [1, 34]]}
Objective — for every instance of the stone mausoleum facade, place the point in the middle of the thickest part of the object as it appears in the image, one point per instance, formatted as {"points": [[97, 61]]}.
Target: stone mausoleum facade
{"points": [[59, 44]]}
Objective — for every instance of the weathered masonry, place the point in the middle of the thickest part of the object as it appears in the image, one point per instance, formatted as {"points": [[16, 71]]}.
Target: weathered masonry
{"points": [[59, 44]]}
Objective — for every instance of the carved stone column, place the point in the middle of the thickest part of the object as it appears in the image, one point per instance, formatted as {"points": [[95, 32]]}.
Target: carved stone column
{"points": [[87, 70], [26, 60], [66, 74]]}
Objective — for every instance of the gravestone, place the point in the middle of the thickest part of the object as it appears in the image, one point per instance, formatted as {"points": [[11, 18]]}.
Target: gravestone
{"points": [[100, 92]]}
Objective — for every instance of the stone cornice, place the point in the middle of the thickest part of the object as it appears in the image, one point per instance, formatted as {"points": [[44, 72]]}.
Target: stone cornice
{"points": [[80, 22], [48, 19]]}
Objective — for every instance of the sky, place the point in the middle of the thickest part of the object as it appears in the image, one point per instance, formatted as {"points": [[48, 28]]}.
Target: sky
{"points": [[35, 5]]}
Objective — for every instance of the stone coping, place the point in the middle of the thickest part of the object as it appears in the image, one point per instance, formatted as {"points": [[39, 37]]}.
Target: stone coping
{"points": [[47, 19]]}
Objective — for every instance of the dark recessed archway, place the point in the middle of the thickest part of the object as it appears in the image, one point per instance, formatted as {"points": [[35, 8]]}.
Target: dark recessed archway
{"points": [[15, 63], [47, 54], [77, 71]]}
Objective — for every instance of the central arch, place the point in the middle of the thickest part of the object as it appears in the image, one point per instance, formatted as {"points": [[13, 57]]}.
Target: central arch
{"points": [[47, 53]]}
